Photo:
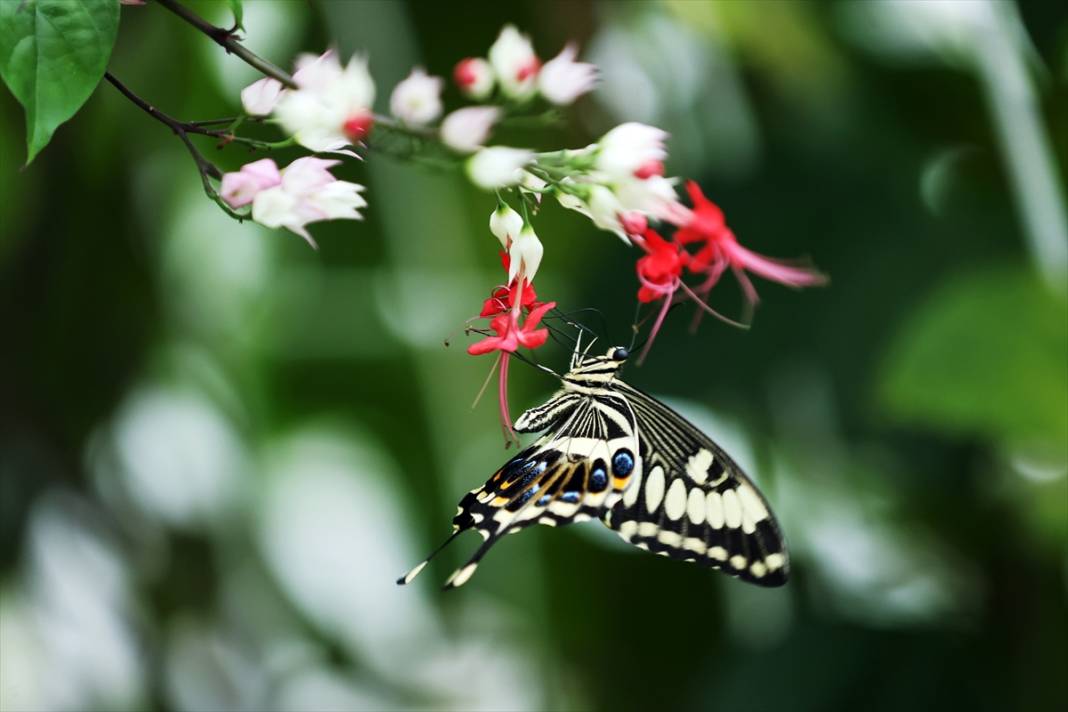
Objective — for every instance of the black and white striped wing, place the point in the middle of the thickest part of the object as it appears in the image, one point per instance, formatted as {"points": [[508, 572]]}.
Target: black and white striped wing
{"points": [[575, 472], [692, 502]]}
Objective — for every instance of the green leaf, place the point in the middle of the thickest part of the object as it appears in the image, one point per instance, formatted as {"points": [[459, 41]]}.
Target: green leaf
{"points": [[239, 12], [986, 353], [53, 53]]}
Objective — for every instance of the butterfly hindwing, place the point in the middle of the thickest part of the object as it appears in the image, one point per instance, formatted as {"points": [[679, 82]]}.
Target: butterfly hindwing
{"points": [[574, 473], [694, 503]]}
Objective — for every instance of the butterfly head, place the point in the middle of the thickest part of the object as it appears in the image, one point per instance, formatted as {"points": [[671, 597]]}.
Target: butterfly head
{"points": [[592, 370]]}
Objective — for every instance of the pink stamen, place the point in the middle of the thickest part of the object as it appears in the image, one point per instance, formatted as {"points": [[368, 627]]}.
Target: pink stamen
{"points": [[659, 321], [502, 400]]}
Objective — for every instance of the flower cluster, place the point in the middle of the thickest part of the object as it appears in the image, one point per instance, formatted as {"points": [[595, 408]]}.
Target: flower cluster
{"points": [[303, 192], [619, 183]]}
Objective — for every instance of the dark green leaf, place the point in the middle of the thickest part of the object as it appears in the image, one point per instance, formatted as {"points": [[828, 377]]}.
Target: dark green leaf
{"points": [[53, 53]]}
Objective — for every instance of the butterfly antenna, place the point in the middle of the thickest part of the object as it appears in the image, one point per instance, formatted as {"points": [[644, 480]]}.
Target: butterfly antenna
{"points": [[531, 362], [408, 577]]}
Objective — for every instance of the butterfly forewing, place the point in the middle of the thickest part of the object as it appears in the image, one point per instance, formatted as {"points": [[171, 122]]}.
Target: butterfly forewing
{"points": [[615, 453]]}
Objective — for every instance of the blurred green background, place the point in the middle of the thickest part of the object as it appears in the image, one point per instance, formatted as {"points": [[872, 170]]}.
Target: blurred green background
{"points": [[218, 448]]}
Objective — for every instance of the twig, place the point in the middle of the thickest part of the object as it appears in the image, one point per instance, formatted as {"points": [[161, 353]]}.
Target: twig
{"points": [[207, 169], [226, 39]]}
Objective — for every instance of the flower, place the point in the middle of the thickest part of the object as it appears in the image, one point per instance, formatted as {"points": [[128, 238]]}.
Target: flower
{"points": [[562, 79], [503, 299], [307, 193], [465, 130], [331, 106], [525, 255], [260, 98], [630, 148], [498, 166], [240, 187], [514, 63], [417, 99], [505, 224], [474, 77], [511, 334], [660, 268], [705, 224]]}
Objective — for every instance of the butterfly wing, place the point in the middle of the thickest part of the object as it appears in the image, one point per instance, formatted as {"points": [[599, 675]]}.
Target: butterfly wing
{"points": [[694, 503], [576, 471]]}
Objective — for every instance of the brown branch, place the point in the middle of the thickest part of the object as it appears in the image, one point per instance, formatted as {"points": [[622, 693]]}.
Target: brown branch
{"points": [[226, 39]]}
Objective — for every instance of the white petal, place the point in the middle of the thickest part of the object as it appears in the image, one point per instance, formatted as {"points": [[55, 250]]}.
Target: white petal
{"points": [[465, 130], [498, 166]]}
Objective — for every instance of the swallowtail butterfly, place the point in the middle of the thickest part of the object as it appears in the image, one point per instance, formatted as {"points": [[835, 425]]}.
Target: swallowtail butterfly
{"points": [[613, 453]]}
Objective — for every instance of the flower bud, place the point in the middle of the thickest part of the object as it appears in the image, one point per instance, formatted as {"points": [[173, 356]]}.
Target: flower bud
{"points": [[498, 166], [417, 100], [505, 224], [514, 63], [525, 255], [465, 130], [474, 77]]}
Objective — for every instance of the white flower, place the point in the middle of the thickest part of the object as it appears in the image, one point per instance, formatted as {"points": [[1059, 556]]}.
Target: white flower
{"points": [[628, 147], [308, 193], [505, 224], [465, 130], [417, 99], [260, 98], [514, 63], [525, 255], [331, 108], [474, 76], [655, 196], [498, 166], [562, 79]]}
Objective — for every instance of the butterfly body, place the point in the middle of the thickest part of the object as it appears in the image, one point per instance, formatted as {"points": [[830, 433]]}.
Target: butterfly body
{"points": [[613, 453]]}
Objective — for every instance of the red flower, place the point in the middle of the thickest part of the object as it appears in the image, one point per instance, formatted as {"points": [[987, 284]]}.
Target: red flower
{"points": [[504, 298], [511, 334], [660, 268], [721, 250]]}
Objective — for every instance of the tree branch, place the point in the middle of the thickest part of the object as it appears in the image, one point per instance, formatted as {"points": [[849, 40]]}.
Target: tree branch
{"points": [[225, 38], [206, 168]]}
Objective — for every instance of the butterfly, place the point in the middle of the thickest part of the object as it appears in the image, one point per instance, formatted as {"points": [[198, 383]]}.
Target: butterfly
{"points": [[614, 453]]}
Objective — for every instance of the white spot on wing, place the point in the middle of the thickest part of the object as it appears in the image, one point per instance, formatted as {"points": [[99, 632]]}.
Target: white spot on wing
{"points": [[775, 561], [669, 537], [696, 506], [732, 509], [718, 553], [462, 575], [738, 561], [628, 529], [654, 489], [675, 502], [698, 464], [714, 505], [647, 529]]}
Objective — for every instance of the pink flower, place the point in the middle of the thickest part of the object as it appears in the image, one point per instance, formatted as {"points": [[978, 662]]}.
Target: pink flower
{"points": [[307, 193], [240, 188], [562, 79], [511, 334]]}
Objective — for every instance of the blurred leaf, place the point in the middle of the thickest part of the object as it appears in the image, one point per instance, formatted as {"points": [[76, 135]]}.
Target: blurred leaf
{"points": [[53, 53], [986, 353]]}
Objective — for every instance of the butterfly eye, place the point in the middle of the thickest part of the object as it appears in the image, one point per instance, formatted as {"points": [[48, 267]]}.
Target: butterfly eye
{"points": [[620, 354]]}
